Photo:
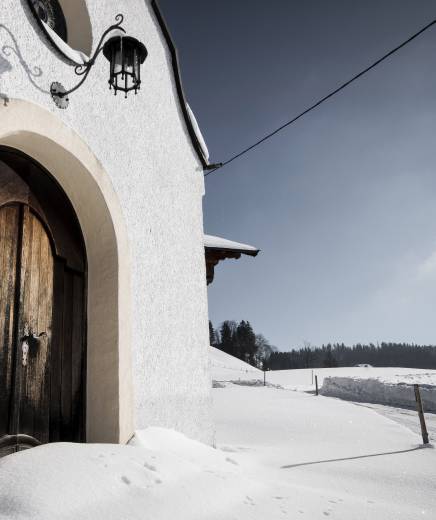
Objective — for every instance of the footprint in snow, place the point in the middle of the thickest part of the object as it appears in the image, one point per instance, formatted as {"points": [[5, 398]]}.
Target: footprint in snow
{"points": [[215, 474], [228, 459], [149, 466], [125, 480]]}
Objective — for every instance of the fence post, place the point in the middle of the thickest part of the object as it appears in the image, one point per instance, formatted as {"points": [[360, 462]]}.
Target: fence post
{"points": [[264, 378], [421, 414], [316, 385], [312, 376]]}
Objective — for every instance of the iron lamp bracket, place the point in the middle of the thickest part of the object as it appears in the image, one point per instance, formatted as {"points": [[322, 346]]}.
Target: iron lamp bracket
{"points": [[58, 92]]}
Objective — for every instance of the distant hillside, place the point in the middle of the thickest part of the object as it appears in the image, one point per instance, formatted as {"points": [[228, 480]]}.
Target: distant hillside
{"points": [[225, 367]]}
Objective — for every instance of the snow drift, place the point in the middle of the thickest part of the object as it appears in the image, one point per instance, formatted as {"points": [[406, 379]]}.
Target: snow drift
{"points": [[302, 379], [162, 475], [376, 390]]}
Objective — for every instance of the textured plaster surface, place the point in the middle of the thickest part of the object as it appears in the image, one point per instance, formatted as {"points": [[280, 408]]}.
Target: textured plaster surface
{"points": [[143, 145]]}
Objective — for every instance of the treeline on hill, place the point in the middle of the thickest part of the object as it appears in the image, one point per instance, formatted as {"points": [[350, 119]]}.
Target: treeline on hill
{"points": [[240, 340], [339, 355]]}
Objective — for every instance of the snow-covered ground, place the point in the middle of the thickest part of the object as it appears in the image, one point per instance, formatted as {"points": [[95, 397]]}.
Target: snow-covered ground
{"points": [[323, 457], [272, 422], [280, 454], [405, 417], [163, 475]]}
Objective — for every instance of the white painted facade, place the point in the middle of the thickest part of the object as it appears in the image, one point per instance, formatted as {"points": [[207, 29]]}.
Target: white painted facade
{"points": [[135, 181]]}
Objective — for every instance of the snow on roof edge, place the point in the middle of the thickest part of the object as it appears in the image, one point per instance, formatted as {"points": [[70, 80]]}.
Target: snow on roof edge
{"points": [[215, 242], [179, 86], [198, 133]]}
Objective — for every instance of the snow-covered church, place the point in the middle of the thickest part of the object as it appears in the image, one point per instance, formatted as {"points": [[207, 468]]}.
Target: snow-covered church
{"points": [[104, 267]]}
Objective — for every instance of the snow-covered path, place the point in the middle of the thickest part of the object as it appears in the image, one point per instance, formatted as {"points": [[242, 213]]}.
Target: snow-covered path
{"points": [[406, 417], [321, 457]]}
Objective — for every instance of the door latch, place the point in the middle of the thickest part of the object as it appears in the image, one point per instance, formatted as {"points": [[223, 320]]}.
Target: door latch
{"points": [[25, 349], [29, 339]]}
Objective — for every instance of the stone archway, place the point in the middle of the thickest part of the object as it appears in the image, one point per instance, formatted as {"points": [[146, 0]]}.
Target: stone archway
{"points": [[42, 136]]}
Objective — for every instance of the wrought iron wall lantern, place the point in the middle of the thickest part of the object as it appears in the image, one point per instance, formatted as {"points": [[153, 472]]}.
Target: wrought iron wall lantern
{"points": [[125, 55]]}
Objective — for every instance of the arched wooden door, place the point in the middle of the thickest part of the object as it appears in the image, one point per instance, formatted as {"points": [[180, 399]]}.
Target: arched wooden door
{"points": [[42, 318]]}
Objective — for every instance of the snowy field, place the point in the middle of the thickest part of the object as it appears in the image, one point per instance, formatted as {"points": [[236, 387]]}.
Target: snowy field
{"points": [[320, 457], [280, 454], [376, 478]]}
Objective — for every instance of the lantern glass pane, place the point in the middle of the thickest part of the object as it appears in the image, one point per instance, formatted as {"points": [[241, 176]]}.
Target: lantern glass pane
{"points": [[112, 63], [118, 62], [137, 67], [128, 50]]}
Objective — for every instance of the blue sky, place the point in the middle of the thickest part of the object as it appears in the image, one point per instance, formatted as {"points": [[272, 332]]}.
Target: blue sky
{"points": [[343, 203]]}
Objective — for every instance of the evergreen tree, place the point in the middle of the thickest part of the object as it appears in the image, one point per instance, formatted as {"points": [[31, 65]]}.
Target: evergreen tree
{"points": [[213, 336], [329, 359], [246, 342], [385, 354], [227, 334]]}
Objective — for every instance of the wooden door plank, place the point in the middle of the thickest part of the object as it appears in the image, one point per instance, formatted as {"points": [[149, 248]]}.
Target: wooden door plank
{"points": [[44, 312], [9, 227], [23, 381], [66, 404], [36, 311], [77, 358], [56, 348]]}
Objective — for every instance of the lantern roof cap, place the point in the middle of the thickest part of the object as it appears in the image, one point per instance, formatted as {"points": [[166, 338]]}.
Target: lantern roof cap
{"points": [[127, 40]]}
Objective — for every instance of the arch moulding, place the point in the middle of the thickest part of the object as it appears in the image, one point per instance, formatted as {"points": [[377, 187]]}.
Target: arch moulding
{"points": [[44, 137]]}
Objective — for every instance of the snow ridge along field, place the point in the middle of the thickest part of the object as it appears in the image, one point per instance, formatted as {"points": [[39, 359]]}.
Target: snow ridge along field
{"points": [[382, 391]]}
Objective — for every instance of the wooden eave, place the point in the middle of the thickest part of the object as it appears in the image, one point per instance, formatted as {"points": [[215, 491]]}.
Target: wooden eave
{"points": [[214, 255]]}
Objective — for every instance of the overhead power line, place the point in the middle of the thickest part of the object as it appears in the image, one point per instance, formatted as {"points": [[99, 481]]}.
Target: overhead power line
{"points": [[322, 100]]}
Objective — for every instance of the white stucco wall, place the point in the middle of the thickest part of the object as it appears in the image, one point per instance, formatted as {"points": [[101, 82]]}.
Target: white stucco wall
{"points": [[143, 145]]}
